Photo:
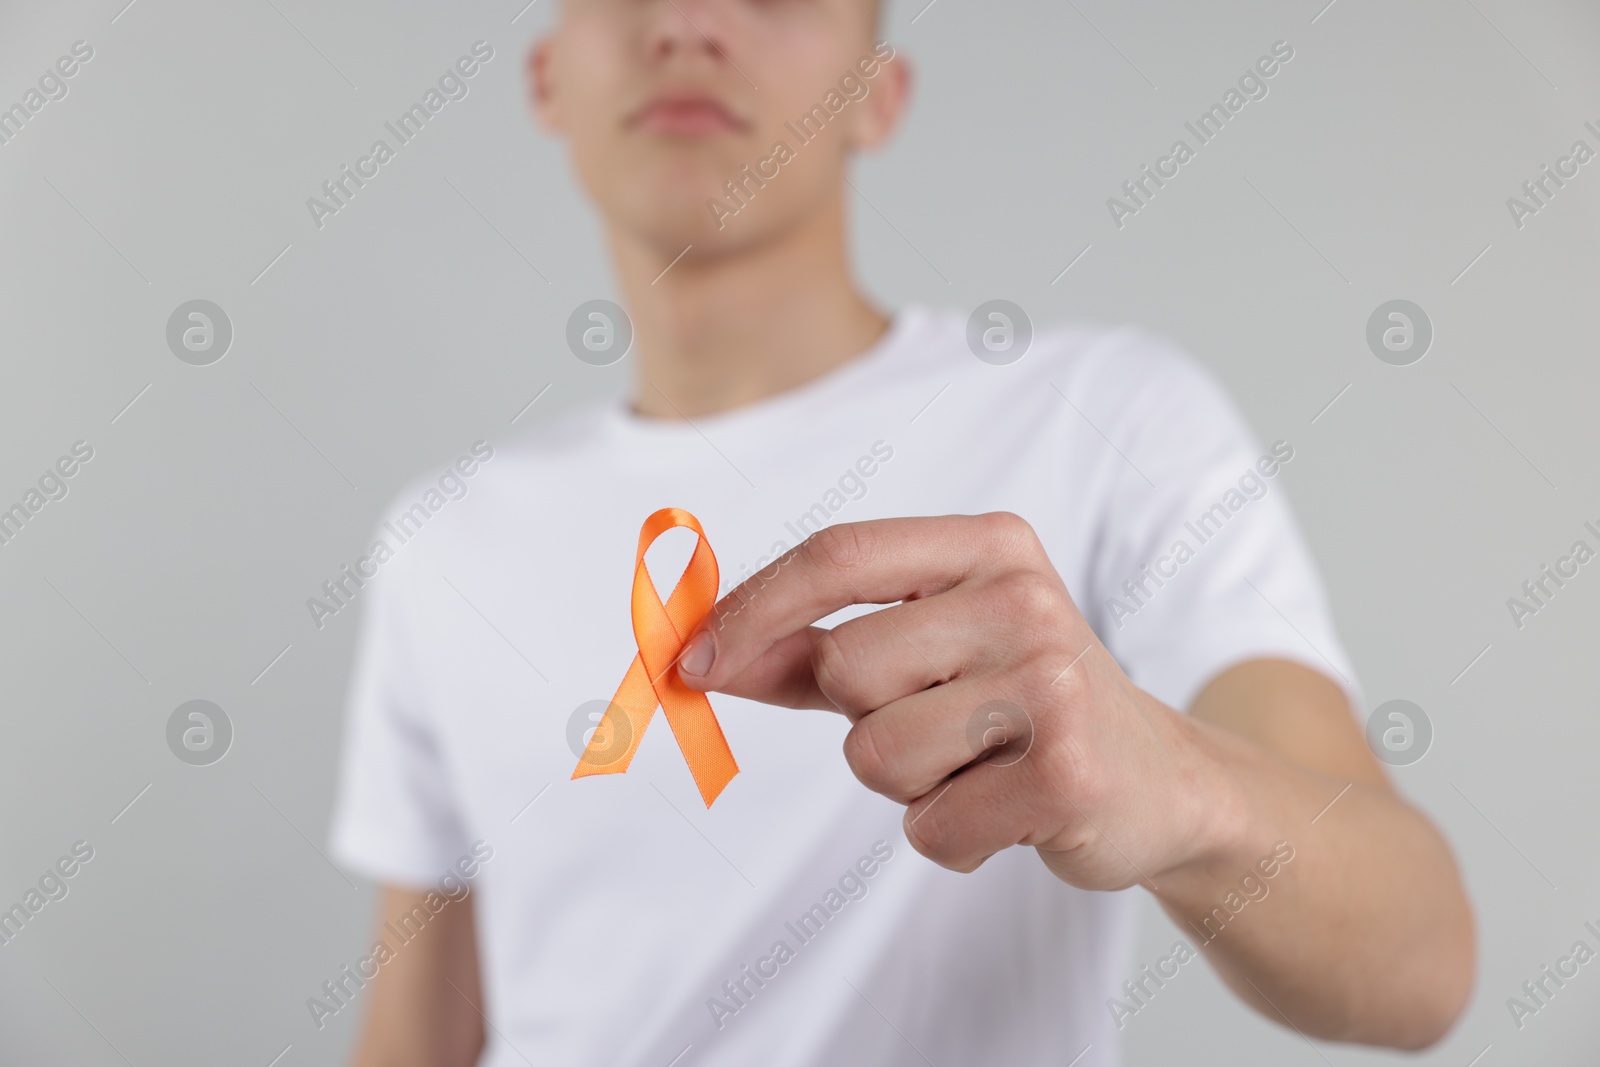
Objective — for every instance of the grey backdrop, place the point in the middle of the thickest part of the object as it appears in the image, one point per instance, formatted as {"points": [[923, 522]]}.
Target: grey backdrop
{"points": [[431, 311]]}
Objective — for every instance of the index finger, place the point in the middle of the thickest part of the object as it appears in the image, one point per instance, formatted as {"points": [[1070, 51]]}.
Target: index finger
{"points": [[879, 561]]}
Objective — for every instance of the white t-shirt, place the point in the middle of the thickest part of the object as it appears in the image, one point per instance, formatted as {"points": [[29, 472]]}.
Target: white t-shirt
{"points": [[620, 922]]}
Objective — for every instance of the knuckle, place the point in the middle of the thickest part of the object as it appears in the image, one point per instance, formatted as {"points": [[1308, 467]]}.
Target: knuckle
{"points": [[1058, 685], [1068, 765], [1001, 732], [830, 665], [927, 834], [1005, 522], [842, 546], [1008, 528], [1027, 594], [864, 752]]}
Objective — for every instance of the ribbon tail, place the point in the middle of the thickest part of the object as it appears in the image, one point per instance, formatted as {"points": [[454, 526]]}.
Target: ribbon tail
{"points": [[617, 738], [700, 739]]}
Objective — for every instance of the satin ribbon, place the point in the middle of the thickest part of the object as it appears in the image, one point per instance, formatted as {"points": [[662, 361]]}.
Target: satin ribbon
{"points": [[659, 631]]}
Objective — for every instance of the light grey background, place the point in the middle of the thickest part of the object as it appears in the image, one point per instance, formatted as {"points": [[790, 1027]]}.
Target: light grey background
{"points": [[431, 311]]}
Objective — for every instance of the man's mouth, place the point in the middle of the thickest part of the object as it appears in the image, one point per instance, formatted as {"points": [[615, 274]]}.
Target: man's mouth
{"points": [[686, 114]]}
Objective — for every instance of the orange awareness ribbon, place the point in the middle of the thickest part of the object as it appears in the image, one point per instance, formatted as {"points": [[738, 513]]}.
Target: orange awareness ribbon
{"points": [[660, 630]]}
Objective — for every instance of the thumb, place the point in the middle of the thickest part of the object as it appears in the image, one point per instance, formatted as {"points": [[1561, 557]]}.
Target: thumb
{"points": [[780, 676]]}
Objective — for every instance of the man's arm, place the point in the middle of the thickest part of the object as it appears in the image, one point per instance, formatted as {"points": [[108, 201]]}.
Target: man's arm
{"points": [[982, 700], [414, 1016], [1371, 895]]}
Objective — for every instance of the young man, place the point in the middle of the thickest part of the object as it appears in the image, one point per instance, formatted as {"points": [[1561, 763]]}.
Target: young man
{"points": [[1081, 554]]}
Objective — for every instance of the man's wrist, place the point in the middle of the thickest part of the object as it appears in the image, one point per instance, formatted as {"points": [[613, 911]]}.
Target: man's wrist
{"points": [[1224, 826]]}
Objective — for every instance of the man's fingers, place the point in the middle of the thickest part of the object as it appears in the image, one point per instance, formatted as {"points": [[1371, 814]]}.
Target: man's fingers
{"points": [[878, 658], [907, 748], [980, 811], [868, 662], [782, 675], [876, 562]]}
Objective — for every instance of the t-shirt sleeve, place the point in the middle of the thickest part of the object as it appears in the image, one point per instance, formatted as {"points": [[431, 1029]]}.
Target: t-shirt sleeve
{"points": [[395, 817], [1198, 562]]}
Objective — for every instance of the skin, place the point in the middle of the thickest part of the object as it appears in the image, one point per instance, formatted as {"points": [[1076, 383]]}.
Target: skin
{"points": [[414, 1016], [1366, 934]]}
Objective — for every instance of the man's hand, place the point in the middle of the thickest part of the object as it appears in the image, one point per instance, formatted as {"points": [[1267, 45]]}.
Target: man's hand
{"points": [[982, 699]]}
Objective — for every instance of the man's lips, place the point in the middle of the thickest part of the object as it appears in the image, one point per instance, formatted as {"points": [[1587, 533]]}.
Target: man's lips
{"points": [[686, 115]]}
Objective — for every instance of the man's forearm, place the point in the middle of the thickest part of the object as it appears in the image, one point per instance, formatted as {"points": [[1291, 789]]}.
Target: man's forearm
{"points": [[425, 1004], [1363, 934]]}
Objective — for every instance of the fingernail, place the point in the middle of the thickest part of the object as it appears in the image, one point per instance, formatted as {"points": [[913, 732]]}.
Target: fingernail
{"points": [[699, 655]]}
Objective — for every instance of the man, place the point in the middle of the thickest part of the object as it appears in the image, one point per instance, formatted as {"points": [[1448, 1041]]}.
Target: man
{"points": [[1064, 606]]}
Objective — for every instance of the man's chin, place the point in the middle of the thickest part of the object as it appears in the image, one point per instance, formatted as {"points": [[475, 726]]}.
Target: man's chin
{"points": [[672, 226]]}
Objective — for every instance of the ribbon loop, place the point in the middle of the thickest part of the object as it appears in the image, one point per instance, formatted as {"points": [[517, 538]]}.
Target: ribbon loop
{"points": [[659, 631]]}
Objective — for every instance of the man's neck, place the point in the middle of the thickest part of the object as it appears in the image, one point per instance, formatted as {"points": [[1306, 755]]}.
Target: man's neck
{"points": [[715, 334]]}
